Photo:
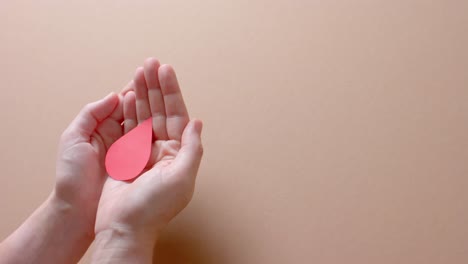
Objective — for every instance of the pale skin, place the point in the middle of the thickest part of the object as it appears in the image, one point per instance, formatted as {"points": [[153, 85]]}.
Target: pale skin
{"points": [[124, 218]]}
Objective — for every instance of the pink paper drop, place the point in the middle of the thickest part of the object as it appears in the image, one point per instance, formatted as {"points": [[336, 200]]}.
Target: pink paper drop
{"points": [[128, 156]]}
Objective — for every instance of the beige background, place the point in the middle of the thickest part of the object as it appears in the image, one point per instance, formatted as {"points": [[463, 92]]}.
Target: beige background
{"points": [[335, 131]]}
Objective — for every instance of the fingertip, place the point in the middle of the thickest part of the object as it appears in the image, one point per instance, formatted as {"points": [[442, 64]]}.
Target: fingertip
{"points": [[139, 75], [130, 95], [139, 69], [111, 98], [166, 70], [151, 61], [170, 85]]}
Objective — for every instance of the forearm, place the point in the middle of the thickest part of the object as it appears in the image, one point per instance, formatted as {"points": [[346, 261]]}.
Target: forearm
{"points": [[121, 245], [52, 234]]}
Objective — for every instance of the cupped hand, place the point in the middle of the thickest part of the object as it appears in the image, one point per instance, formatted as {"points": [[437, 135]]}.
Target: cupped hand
{"points": [[146, 204], [80, 162]]}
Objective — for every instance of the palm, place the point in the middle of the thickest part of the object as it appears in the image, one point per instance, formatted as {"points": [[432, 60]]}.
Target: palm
{"points": [[121, 196]]}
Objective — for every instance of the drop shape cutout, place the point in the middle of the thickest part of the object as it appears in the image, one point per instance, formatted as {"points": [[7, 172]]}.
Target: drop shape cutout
{"points": [[128, 156]]}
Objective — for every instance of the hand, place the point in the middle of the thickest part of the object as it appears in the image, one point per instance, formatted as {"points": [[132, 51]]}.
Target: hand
{"points": [[140, 209], [62, 228], [80, 162]]}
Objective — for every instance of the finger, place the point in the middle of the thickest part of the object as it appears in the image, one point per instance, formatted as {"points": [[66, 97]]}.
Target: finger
{"points": [[155, 98], [86, 122], [117, 114], [129, 108], [141, 91], [189, 157], [110, 129], [176, 112]]}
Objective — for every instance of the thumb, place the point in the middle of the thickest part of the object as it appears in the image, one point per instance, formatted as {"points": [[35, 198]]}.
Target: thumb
{"points": [[189, 157], [82, 127]]}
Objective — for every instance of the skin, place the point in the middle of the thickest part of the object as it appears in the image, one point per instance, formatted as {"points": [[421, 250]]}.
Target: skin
{"points": [[124, 218]]}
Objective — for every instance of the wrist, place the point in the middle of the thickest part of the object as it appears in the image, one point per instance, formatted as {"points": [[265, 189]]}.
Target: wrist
{"points": [[121, 244], [77, 226], [52, 234]]}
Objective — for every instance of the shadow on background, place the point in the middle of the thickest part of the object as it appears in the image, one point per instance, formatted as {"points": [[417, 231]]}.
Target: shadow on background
{"points": [[177, 249], [187, 241]]}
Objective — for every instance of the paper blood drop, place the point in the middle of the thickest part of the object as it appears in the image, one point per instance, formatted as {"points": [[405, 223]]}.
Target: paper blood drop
{"points": [[128, 156]]}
